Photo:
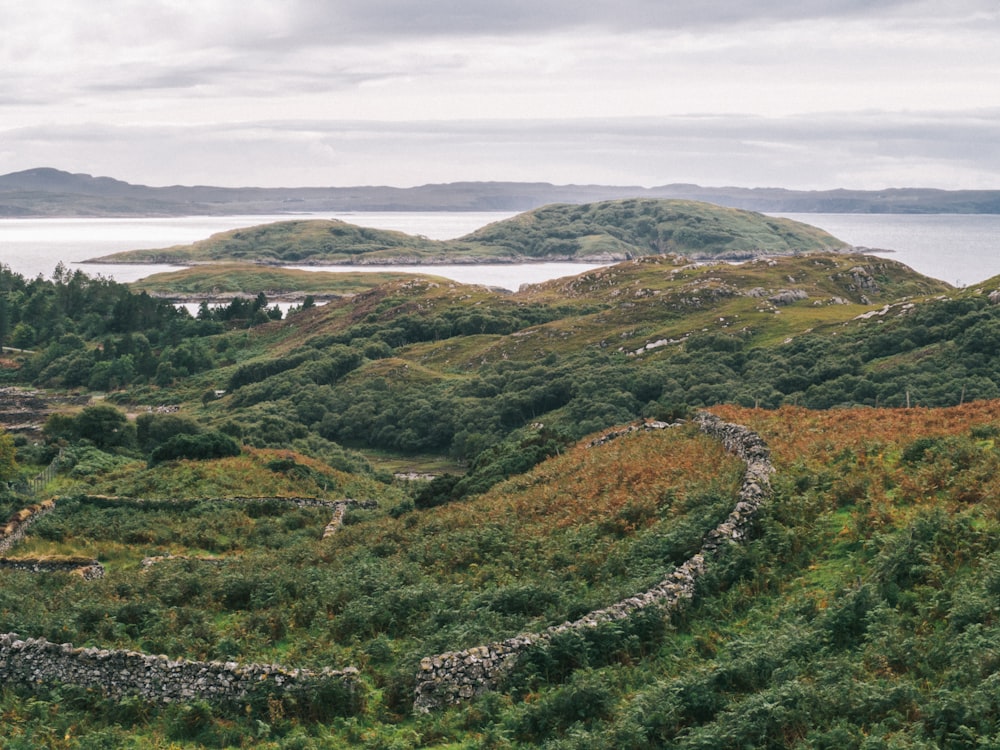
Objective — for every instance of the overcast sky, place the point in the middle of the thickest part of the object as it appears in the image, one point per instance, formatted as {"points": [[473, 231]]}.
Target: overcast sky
{"points": [[787, 93]]}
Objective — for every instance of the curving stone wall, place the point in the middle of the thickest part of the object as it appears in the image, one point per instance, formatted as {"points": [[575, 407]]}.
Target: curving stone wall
{"points": [[121, 673], [459, 675]]}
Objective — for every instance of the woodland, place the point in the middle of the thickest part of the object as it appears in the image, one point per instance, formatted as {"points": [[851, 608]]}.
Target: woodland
{"points": [[861, 613]]}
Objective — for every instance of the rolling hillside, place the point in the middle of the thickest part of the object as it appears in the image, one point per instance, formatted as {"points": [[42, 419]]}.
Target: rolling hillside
{"points": [[234, 483]]}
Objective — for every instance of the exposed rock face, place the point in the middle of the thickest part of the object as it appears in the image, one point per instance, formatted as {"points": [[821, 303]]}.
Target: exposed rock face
{"points": [[119, 673], [787, 296], [459, 675]]}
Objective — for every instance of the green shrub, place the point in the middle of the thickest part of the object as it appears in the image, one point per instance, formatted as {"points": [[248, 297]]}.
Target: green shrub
{"points": [[200, 447], [152, 430]]}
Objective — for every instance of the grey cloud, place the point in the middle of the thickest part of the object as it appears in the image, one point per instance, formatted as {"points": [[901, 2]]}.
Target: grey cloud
{"points": [[864, 150], [487, 17]]}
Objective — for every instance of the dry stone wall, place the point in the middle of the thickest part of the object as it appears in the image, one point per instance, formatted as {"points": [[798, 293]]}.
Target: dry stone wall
{"points": [[88, 569], [116, 673], [459, 675], [156, 678], [15, 529], [340, 510]]}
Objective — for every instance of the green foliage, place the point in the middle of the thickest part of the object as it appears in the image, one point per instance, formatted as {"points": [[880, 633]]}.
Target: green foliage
{"points": [[863, 613], [637, 227], [8, 457], [102, 425], [493, 465], [153, 429], [200, 447]]}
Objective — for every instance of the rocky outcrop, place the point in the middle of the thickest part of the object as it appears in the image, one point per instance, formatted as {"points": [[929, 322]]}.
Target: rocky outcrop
{"points": [[459, 675], [787, 296], [117, 674]]}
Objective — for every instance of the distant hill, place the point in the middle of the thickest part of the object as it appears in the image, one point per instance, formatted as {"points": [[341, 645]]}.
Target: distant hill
{"points": [[52, 192], [594, 232]]}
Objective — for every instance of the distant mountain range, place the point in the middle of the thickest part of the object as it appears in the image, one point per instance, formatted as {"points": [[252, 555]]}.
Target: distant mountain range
{"points": [[52, 192]]}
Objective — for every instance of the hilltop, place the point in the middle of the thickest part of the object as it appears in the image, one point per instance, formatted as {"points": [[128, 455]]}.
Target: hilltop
{"points": [[596, 232], [52, 192]]}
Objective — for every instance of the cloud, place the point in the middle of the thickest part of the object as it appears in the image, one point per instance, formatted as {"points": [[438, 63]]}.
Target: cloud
{"points": [[378, 18], [393, 91], [859, 150]]}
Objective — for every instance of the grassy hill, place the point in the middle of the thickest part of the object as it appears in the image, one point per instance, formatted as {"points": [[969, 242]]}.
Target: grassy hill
{"points": [[862, 612], [610, 230], [616, 230]]}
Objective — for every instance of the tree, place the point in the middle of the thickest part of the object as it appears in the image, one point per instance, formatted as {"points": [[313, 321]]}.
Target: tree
{"points": [[8, 457], [23, 336], [4, 318], [200, 447], [153, 430], [105, 427]]}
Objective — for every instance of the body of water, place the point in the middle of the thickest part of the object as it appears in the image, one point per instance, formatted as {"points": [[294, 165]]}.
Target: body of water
{"points": [[958, 249]]}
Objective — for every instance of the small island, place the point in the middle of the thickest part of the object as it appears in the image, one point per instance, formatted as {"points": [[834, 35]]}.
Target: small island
{"points": [[603, 232]]}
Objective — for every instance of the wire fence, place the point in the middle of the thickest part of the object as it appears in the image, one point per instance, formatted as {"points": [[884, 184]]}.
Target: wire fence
{"points": [[32, 487]]}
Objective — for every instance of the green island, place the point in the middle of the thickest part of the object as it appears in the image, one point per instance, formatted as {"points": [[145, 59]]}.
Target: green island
{"points": [[602, 232], [224, 280], [661, 504]]}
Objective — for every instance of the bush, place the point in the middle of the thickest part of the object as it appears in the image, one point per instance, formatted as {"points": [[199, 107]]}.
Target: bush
{"points": [[201, 447], [586, 699], [153, 430]]}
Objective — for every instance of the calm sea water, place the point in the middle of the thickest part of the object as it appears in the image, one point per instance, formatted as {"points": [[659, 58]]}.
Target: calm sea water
{"points": [[961, 249], [958, 249]]}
